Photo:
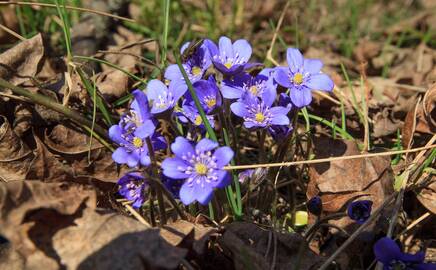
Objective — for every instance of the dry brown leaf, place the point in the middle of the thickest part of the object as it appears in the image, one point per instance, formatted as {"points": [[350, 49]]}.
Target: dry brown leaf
{"points": [[253, 248], [66, 140], [15, 155], [338, 182], [57, 225], [112, 82], [46, 167], [21, 62], [427, 196], [8, 17]]}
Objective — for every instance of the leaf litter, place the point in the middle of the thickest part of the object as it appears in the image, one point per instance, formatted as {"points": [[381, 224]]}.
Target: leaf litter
{"points": [[58, 201]]}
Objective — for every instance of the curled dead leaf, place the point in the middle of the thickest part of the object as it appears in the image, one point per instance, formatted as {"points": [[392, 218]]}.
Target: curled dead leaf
{"points": [[21, 62], [15, 155]]}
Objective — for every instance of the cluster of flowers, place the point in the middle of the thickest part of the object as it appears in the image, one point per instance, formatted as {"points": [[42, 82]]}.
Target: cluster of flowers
{"points": [[197, 169]]}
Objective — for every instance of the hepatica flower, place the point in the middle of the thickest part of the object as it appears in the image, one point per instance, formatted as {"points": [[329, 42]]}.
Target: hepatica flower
{"points": [[258, 113], [243, 83], [138, 121], [201, 168], [195, 66], [229, 58], [190, 114], [314, 205], [163, 98], [389, 254], [132, 187], [301, 77], [359, 211], [208, 94]]}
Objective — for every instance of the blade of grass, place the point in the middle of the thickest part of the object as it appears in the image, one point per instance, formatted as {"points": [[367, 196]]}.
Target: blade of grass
{"points": [[344, 134], [165, 31], [97, 99]]}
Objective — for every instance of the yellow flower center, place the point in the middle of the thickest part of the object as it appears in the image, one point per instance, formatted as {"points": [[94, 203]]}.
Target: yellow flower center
{"points": [[200, 168], [211, 102], [253, 90], [228, 64], [259, 117], [198, 120], [167, 82], [196, 70], [137, 142], [298, 78]]}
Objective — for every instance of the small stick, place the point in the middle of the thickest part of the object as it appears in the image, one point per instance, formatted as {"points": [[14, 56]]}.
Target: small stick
{"points": [[137, 216], [322, 160], [12, 32]]}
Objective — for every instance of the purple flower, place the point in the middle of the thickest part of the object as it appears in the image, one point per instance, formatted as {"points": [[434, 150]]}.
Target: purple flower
{"points": [[229, 58], [314, 205], [132, 187], [173, 185], [258, 113], [245, 175], [359, 211], [301, 77], [239, 85], [163, 98], [201, 167], [190, 114], [138, 121], [280, 133], [195, 66], [133, 150], [208, 94], [389, 254]]}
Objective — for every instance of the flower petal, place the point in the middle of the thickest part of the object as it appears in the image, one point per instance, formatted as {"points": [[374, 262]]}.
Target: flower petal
{"points": [[174, 168], [242, 48], [413, 258], [120, 155], [313, 66], [239, 109], [295, 59], [178, 88], [211, 46], [225, 47], [133, 159], [187, 194], [156, 89], [145, 159], [205, 145], [181, 147], [301, 97], [224, 179], [145, 130], [203, 194], [281, 76], [320, 81], [115, 133], [140, 104], [223, 155], [386, 250], [173, 73], [280, 119], [231, 92]]}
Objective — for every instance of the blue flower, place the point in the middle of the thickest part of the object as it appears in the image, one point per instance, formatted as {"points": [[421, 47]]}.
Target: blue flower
{"points": [[163, 98], [229, 58], [245, 175], [138, 121], [190, 114], [132, 187], [258, 113], [133, 150], [301, 77], [314, 205], [239, 85], [359, 211], [201, 167], [208, 94], [389, 254], [195, 66]]}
